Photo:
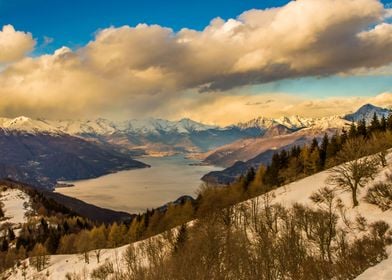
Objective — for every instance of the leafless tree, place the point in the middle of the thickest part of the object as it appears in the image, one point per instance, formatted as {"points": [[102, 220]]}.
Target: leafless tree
{"points": [[357, 168]]}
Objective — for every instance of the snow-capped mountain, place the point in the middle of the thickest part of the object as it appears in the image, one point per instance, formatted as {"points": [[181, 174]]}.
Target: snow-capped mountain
{"points": [[25, 124], [367, 112], [164, 137], [291, 122], [148, 126]]}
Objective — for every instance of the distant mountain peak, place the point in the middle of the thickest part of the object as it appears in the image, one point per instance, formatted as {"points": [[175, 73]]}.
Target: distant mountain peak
{"points": [[367, 112]]}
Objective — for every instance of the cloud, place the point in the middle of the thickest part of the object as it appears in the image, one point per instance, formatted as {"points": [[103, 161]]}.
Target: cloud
{"points": [[235, 108], [14, 45], [143, 70], [258, 103]]}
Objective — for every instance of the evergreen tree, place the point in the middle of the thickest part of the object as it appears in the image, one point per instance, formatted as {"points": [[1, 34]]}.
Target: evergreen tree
{"points": [[389, 122], [283, 159], [248, 178], [314, 145], [323, 151], [333, 146], [362, 129], [295, 151], [271, 177], [343, 137], [53, 241], [375, 123], [352, 133], [383, 123]]}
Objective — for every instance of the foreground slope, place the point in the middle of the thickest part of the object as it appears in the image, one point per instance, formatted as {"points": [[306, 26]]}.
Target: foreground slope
{"points": [[296, 192]]}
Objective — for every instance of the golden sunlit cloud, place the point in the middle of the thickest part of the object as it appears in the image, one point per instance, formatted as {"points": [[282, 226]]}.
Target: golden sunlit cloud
{"points": [[149, 70], [14, 44]]}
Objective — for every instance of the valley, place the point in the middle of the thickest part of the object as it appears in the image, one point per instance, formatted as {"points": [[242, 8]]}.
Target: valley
{"points": [[196, 140], [135, 191]]}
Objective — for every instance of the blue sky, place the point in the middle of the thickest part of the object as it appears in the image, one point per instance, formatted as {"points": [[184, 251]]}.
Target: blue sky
{"points": [[249, 75], [73, 22]]}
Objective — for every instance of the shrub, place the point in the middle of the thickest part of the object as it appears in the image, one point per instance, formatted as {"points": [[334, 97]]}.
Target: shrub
{"points": [[381, 194]]}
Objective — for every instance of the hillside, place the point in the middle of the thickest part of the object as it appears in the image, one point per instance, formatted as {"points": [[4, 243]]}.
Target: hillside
{"points": [[43, 158], [241, 155], [296, 192], [17, 199]]}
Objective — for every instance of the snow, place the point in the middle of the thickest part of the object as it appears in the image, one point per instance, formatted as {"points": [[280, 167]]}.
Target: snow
{"points": [[297, 122], [367, 112], [13, 205], [155, 126], [61, 265], [383, 270], [152, 125], [296, 192], [27, 125]]}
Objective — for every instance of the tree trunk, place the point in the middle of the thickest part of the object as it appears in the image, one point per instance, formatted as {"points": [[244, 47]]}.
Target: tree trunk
{"points": [[355, 200]]}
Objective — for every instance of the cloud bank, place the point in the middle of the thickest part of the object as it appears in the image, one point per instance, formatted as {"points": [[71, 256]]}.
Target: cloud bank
{"points": [[14, 45], [143, 70]]}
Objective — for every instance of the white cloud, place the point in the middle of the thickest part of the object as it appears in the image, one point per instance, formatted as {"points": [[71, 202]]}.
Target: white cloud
{"points": [[143, 70], [14, 44]]}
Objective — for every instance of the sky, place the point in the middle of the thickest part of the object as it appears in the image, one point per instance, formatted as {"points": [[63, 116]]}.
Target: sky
{"points": [[213, 61]]}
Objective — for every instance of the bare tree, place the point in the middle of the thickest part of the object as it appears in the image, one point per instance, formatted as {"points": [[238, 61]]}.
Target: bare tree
{"points": [[357, 169]]}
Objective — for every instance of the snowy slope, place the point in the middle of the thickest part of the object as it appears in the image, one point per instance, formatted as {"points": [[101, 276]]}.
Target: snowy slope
{"points": [[381, 271], [147, 126], [292, 122], [296, 192], [25, 124], [367, 112], [13, 201]]}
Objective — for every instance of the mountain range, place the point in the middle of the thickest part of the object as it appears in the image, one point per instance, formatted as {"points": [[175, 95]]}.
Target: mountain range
{"points": [[241, 155], [43, 152]]}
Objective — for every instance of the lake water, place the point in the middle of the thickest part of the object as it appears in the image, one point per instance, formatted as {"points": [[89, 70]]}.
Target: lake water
{"points": [[136, 190]]}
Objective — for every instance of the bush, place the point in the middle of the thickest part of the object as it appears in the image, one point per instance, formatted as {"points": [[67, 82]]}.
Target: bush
{"points": [[381, 194], [103, 272]]}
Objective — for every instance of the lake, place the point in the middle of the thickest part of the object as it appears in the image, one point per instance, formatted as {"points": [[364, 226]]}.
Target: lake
{"points": [[136, 190]]}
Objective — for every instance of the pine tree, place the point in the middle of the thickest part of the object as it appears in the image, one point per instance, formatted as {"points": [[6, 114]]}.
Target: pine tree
{"points": [[362, 129], [314, 145], [389, 122], [343, 138], [383, 123], [323, 151], [375, 123], [248, 179], [53, 241], [352, 133], [333, 146], [271, 177]]}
